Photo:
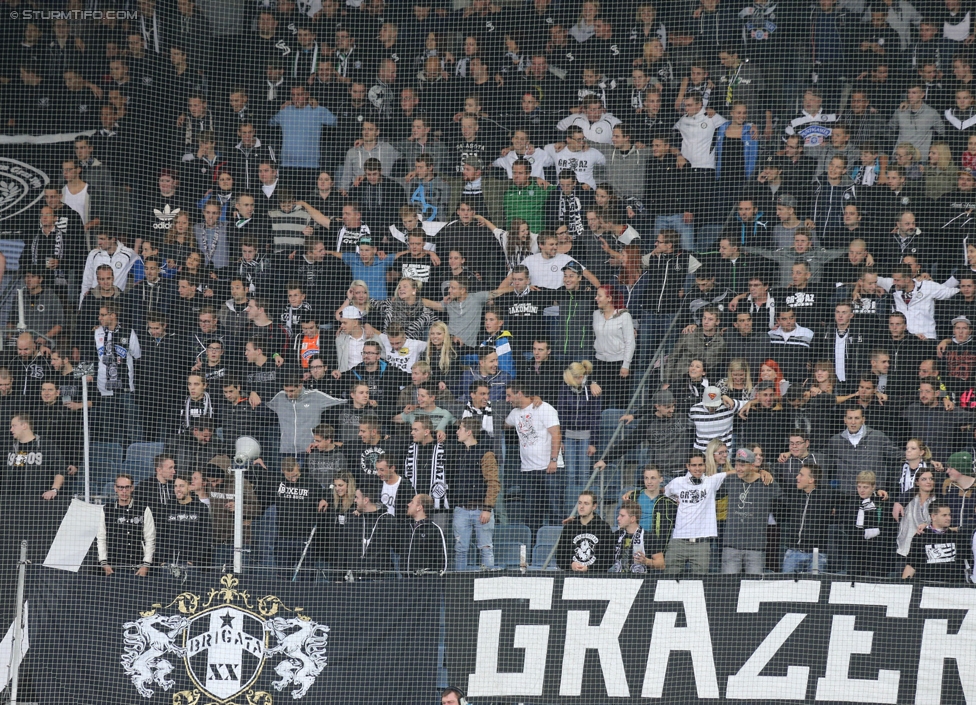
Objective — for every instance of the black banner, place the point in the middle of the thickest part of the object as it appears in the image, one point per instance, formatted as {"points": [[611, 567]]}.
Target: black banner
{"points": [[126, 640], [553, 639]]}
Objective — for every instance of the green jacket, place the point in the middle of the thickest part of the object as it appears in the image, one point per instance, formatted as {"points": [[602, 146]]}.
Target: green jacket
{"points": [[527, 203]]}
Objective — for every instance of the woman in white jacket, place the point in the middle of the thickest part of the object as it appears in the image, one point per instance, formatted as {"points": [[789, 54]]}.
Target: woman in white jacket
{"points": [[614, 343]]}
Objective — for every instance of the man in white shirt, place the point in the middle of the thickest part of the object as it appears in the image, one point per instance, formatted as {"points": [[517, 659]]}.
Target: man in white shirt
{"points": [[597, 124], [915, 298], [577, 157], [540, 439], [546, 266], [697, 127], [538, 159], [695, 524], [113, 253]]}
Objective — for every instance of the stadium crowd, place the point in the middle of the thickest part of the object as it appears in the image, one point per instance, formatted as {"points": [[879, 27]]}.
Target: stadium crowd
{"points": [[425, 254]]}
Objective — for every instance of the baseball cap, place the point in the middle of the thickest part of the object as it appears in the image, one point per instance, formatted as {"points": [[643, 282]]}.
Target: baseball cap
{"points": [[786, 200], [745, 455], [664, 397], [352, 313], [365, 240], [961, 319], [962, 463], [473, 160], [762, 386], [574, 266], [712, 398]]}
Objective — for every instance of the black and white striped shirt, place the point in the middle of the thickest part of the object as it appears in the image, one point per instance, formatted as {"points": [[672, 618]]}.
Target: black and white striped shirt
{"points": [[713, 424]]}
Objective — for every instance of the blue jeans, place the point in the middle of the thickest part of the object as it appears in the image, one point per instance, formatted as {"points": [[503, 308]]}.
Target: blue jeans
{"points": [[802, 561], [466, 521], [556, 487], [677, 222], [578, 468]]}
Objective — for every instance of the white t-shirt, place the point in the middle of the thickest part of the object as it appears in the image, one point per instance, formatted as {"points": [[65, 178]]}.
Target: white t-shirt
{"points": [[580, 162], [402, 358], [696, 505], [696, 138], [547, 273], [389, 494], [78, 202], [600, 131], [538, 160], [535, 441]]}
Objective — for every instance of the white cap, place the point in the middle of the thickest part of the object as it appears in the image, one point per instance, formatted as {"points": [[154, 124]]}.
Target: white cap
{"points": [[352, 313], [712, 398]]}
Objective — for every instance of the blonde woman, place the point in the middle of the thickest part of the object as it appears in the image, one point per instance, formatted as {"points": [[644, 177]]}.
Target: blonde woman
{"points": [[338, 524], [646, 27], [358, 295], [737, 383], [585, 26], [440, 355], [717, 460], [579, 416], [407, 309], [908, 157], [941, 172], [179, 241]]}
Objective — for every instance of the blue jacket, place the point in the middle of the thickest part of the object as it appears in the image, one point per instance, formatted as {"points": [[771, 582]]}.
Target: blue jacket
{"points": [[579, 410], [750, 148]]}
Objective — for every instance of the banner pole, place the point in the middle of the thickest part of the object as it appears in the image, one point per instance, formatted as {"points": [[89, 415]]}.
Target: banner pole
{"points": [[238, 519], [15, 655], [301, 560], [85, 430]]}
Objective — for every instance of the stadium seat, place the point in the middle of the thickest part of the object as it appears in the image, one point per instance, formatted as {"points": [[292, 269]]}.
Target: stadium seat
{"points": [[548, 535], [106, 463], [507, 540], [139, 460], [539, 554]]}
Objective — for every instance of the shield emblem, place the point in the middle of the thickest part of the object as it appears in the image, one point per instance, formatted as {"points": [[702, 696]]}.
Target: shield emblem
{"points": [[225, 650]]}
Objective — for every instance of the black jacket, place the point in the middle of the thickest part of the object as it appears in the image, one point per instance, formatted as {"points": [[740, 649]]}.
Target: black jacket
{"points": [[424, 547], [806, 517], [183, 533]]}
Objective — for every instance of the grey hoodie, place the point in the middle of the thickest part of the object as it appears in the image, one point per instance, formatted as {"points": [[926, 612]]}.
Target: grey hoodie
{"points": [[626, 171], [298, 417]]}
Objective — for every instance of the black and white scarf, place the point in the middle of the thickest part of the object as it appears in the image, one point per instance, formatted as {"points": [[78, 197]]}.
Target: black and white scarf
{"points": [[623, 563], [437, 487], [194, 409], [868, 518], [487, 421], [907, 479]]}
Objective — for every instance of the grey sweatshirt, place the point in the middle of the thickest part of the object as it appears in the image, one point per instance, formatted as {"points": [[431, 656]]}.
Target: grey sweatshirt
{"points": [[298, 417], [916, 127]]}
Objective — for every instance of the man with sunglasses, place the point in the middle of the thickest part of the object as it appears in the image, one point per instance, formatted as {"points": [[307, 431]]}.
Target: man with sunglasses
{"points": [[127, 532]]}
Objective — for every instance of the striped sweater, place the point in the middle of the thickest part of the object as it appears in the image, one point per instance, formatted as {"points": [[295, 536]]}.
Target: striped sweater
{"points": [[713, 424]]}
